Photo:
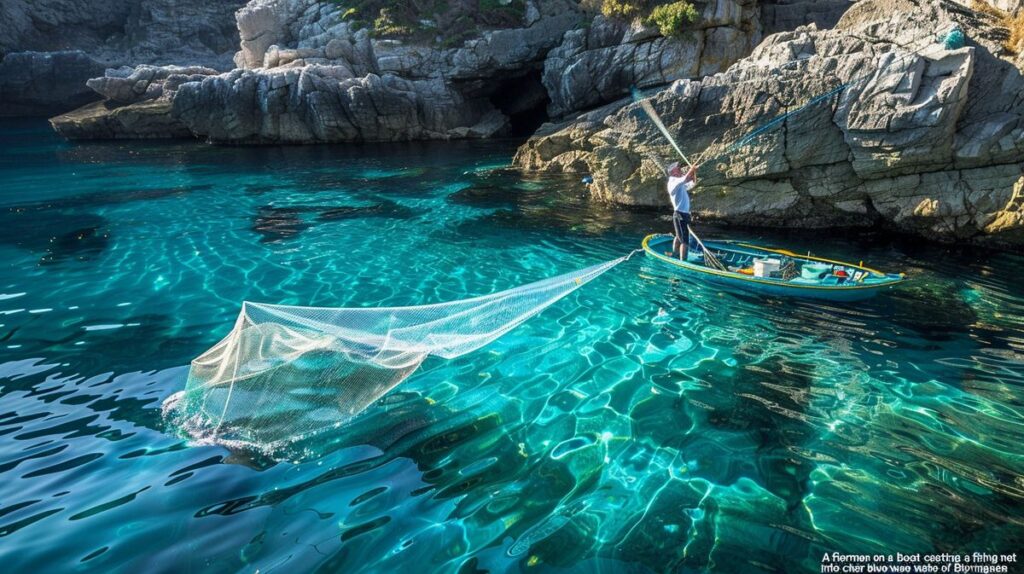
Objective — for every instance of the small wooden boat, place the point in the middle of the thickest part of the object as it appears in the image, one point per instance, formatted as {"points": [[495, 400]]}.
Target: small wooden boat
{"points": [[774, 271]]}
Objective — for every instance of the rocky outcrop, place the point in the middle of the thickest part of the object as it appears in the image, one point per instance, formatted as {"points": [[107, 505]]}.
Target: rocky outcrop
{"points": [[302, 66], [51, 47], [315, 103], [928, 141], [138, 104], [127, 85], [306, 75], [105, 121], [36, 83], [599, 64], [277, 32], [784, 15]]}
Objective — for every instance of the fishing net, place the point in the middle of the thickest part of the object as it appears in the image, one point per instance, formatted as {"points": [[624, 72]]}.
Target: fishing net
{"points": [[284, 373]]}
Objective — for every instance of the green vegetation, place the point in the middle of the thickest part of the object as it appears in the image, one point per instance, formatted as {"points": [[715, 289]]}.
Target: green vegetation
{"points": [[385, 25], [670, 17], [623, 9], [449, 22]]}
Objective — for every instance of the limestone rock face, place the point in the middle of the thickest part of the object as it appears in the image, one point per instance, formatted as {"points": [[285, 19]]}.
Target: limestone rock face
{"points": [[785, 15], [45, 83], [51, 47], [326, 103], [123, 31], [127, 85], [182, 32], [305, 75], [102, 120], [913, 136], [137, 104], [597, 65]]}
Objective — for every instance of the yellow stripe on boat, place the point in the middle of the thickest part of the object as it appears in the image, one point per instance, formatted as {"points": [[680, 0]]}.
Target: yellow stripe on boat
{"points": [[789, 253]]}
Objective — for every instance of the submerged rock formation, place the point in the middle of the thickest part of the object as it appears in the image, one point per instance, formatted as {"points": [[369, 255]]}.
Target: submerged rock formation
{"points": [[922, 139]]}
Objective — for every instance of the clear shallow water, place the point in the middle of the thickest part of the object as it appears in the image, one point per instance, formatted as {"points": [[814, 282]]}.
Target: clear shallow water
{"points": [[642, 424]]}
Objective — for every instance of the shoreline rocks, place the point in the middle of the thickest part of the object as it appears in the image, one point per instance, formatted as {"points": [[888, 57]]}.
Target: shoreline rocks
{"points": [[127, 85], [327, 104], [919, 138], [106, 121], [50, 49], [930, 142], [45, 83]]}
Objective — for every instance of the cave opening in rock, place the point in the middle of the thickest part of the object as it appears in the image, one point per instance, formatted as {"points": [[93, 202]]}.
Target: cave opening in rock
{"points": [[523, 98]]}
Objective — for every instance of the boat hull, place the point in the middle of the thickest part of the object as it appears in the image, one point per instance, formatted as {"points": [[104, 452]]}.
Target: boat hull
{"points": [[655, 247]]}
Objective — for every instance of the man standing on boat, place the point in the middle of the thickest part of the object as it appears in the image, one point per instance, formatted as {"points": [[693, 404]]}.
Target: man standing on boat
{"points": [[679, 186]]}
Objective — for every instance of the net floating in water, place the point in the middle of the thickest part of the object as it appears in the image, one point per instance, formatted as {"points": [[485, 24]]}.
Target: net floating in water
{"points": [[285, 373]]}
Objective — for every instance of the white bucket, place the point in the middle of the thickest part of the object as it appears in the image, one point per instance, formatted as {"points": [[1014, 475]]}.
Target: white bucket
{"points": [[765, 267]]}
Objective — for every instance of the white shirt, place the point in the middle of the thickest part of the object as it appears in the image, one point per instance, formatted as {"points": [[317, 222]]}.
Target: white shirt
{"points": [[678, 192]]}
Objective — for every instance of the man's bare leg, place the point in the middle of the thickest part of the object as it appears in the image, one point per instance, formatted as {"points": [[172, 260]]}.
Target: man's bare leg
{"points": [[684, 246]]}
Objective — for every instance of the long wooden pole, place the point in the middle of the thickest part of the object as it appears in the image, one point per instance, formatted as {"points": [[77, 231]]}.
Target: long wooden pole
{"points": [[707, 253]]}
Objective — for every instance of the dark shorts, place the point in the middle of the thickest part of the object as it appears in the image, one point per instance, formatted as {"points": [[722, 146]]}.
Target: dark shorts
{"points": [[679, 221]]}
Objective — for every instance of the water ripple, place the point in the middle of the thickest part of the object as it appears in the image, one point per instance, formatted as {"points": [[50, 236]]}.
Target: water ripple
{"points": [[647, 423]]}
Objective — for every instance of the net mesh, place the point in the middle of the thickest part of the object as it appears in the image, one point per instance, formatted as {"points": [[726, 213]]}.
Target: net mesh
{"points": [[284, 373]]}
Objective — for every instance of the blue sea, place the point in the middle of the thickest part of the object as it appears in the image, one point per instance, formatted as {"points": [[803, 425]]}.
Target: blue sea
{"points": [[645, 423]]}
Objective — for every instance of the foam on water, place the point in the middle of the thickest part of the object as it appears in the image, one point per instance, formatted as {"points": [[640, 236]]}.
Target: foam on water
{"points": [[643, 424]]}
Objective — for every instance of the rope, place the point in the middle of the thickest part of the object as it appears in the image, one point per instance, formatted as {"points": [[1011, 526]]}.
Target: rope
{"points": [[777, 121]]}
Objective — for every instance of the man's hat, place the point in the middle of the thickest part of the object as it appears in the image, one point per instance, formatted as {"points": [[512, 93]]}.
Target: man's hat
{"points": [[674, 166]]}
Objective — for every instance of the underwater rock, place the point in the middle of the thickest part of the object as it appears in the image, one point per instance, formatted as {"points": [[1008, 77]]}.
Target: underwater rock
{"points": [[57, 236], [924, 140], [385, 209]]}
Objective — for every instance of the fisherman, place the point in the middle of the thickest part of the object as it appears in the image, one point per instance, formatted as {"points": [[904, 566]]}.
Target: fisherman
{"points": [[679, 186]]}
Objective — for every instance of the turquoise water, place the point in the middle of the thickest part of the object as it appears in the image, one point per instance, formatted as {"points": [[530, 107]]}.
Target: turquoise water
{"points": [[643, 424]]}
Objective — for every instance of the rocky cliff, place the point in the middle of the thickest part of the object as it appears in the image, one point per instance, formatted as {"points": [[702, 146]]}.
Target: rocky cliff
{"points": [[306, 73], [922, 139], [598, 64], [50, 48], [916, 136]]}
